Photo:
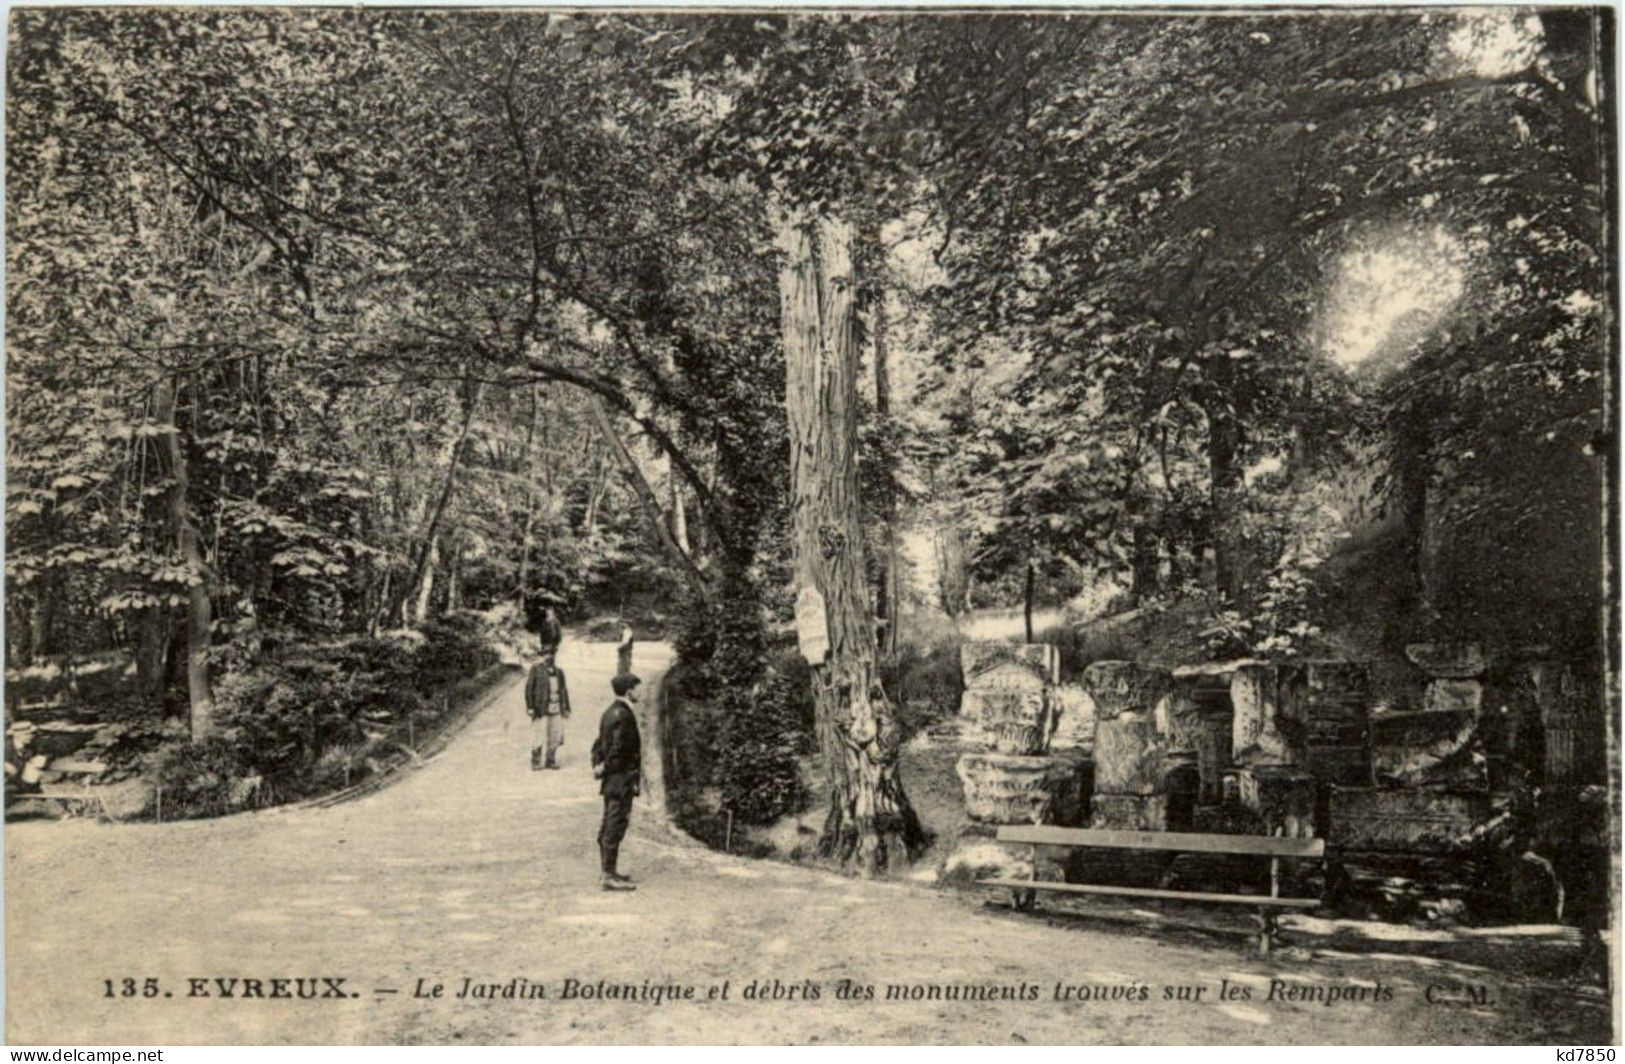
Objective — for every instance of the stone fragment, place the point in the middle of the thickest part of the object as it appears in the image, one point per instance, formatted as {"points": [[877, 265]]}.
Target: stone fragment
{"points": [[1129, 812], [1123, 687], [1404, 819], [1449, 696], [1198, 718], [1430, 749], [1006, 702], [1268, 725], [1448, 661], [1336, 713], [1008, 789], [976, 854], [1128, 755], [1282, 797], [1074, 714]]}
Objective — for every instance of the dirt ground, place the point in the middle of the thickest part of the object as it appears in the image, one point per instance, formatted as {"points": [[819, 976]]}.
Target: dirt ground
{"points": [[475, 867]]}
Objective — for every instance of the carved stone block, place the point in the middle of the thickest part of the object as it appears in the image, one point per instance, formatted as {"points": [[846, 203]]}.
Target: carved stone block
{"points": [[1124, 687], [1128, 755], [1008, 789], [1403, 819]]}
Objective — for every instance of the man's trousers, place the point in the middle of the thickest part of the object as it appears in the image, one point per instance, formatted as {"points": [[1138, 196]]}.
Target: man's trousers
{"points": [[617, 812], [546, 736]]}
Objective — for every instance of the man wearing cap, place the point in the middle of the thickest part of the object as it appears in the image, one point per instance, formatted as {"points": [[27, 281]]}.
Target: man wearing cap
{"points": [[617, 760]]}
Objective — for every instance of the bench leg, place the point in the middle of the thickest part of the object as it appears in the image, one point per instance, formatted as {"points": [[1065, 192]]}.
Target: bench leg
{"points": [[1022, 900], [1266, 931]]}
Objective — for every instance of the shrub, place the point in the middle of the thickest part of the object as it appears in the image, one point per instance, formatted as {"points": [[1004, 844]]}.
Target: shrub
{"points": [[454, 648], [761, 743], [209, 779], [926, 684]]}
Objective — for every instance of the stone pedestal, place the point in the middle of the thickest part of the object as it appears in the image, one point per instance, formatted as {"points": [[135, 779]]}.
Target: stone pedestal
{"points": [[1129, 746], [1006, 701], [1283, 797]]}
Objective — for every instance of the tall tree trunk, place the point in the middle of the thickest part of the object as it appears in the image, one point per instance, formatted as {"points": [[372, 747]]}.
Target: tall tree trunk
{"points": [[530, 506], [422, 569], [953, 578], [425, 586], [1143, 561], [890, 598], [679, 516], [1224, 473], [200, 696], [870, 822], [647, 499], [1027, 602]]}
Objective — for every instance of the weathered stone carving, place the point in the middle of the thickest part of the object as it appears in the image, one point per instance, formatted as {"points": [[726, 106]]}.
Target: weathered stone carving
{"points": [[1128, 755], [1268, 725], [1283, 797], [1129, 812], [1448, 661], [1074, 714], [1403, 819], [1430, 749], [1123, 687], [1006, 700], [1451, 696], [1008, 789]]}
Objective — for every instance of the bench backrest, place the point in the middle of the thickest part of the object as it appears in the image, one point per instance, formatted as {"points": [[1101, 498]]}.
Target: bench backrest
{"points": [[1181, 841]]}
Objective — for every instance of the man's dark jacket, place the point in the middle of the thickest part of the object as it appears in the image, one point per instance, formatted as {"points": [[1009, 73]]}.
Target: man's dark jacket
{"points": [[539, 693], [620, 750]]}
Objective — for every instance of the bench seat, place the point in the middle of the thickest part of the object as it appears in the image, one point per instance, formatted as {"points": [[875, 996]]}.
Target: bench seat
{"points": [[1273, 847]]}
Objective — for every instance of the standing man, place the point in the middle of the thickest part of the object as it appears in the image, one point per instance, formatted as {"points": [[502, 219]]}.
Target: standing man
{"points": [[617, 760], [547, 700], [551, 633]]}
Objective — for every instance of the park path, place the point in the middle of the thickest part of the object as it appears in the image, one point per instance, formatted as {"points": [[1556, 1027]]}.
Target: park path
{"points": [[473, 866]]}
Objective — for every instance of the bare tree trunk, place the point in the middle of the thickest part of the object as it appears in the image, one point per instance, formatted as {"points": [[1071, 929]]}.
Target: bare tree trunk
{"points": [[422, 569], [420, 606], [870, 823], [200, 696], [891, 598], [647, 499], [953, 578], [679, 516], [1224, 470], [595, 496], [1027, 602], [530, 505]]}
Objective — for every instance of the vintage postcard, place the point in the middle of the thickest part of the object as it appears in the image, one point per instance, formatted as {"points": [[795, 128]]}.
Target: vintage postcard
{"points": [[787, 526]]}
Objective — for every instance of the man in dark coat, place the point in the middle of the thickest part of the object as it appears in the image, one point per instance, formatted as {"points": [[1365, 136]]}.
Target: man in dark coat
{"points": [[550, 633], [547, 700], [617, 760]]}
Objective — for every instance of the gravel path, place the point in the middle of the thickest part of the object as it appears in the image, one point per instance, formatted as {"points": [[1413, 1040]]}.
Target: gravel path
{"points": [[473, 867]]}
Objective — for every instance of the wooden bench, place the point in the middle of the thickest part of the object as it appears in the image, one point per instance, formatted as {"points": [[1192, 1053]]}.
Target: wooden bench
{"points": [[69, 796], [1268, 906]]}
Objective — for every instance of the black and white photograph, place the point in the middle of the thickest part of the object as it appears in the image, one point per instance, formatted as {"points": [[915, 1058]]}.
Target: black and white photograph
{"points": [[811, 526]]}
